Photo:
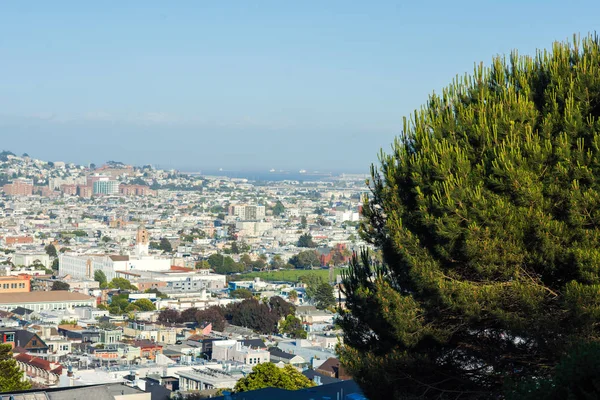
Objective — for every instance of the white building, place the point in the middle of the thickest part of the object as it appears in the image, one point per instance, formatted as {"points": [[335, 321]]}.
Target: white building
{"points": [[84, 266], [40, 301], [232, 350], [29, 258], [206, 378], [248, 212]]}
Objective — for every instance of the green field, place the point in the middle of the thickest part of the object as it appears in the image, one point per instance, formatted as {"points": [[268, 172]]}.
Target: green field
{"points": [[292, 275]]}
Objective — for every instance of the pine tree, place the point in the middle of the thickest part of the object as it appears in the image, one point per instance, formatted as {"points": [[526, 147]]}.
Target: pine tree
{"points": [[487, 213], [11, 377]]}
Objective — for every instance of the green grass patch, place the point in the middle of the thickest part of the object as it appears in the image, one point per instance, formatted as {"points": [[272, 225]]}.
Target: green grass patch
{"points": [[292, 275]]}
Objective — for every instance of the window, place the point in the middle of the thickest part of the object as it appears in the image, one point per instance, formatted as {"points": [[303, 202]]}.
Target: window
{"points": [[34, 342], [5, 286], [13, 285], [8, 337]]}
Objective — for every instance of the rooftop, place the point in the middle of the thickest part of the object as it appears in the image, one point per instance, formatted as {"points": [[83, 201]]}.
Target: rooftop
{"points": [[42, 297]]}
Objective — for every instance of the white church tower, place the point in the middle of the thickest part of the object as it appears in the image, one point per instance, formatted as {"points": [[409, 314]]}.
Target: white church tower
{"points": [[141, 242]]}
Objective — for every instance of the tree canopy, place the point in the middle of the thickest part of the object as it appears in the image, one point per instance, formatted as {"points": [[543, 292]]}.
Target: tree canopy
{"points": [[306, 240], [487, 213], [58, 285], [122, 284], [278, 208], [305, 259], [269, 375], [11, 377], [51, 250], [100, 277], [323, 296]]}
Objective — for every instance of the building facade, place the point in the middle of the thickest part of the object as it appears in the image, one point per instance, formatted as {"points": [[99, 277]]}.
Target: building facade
{"points": [[15, 284]]}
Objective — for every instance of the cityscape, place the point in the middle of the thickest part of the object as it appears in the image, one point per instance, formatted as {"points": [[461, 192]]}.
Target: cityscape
{"points": [[128, 274], [299, 200]]}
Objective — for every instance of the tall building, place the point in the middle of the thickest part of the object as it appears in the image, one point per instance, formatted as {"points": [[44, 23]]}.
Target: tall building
{"points": [[20, 187], [248, 212], [142, 242], [106, 187]]}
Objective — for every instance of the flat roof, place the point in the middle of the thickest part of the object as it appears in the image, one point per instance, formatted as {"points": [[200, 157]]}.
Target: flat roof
{"points": [[42, 297]]}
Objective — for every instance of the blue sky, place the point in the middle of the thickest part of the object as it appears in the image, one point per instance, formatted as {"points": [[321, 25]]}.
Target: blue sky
{"points": [[245, 85]]}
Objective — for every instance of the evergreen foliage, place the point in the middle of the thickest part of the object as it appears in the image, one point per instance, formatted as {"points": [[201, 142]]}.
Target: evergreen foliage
{"points": [[11, 377], [487, 213]]}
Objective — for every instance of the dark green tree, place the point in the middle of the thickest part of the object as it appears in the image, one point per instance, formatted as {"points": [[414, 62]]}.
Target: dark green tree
{"points": [[303, 222], [292, 326], [58, 285], [312, 282], [11, 377], [165, 245], [241, 293], [305, 259], [576, 377], [306, 240], [487, 213], [100, 277], [278, 208], [51, 250], [323, 296], [224, 265]]}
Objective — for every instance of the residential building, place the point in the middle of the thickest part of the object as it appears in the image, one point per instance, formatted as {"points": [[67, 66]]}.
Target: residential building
{"points": [[38, 370], [205, 378], [19, 187], [233, 350], [15, 284], [23, 339], [106, 187], [277, 355], [247, 212], [148, 348]]}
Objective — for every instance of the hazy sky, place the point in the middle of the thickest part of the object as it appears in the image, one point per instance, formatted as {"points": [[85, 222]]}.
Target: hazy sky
{"points": [[245, 84]]}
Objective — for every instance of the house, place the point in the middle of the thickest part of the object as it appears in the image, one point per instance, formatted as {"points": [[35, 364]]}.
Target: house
{"points": [[224, 350], [332, 368], [148, 349], [319, 378], [205, 378], [23, 339], [38, 370], [277, 355]]}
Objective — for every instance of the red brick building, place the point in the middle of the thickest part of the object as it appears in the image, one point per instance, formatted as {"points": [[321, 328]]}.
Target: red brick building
{"points": [[16, 240], [18, 188], [69, 190]]}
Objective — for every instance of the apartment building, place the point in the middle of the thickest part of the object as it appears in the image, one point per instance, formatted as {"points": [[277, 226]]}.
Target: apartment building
{"points": [[19, 187], [15, 284], [247, 212]]}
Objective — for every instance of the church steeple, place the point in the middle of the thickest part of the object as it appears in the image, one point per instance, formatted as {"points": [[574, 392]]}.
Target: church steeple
{"points": [[142, 242]]}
